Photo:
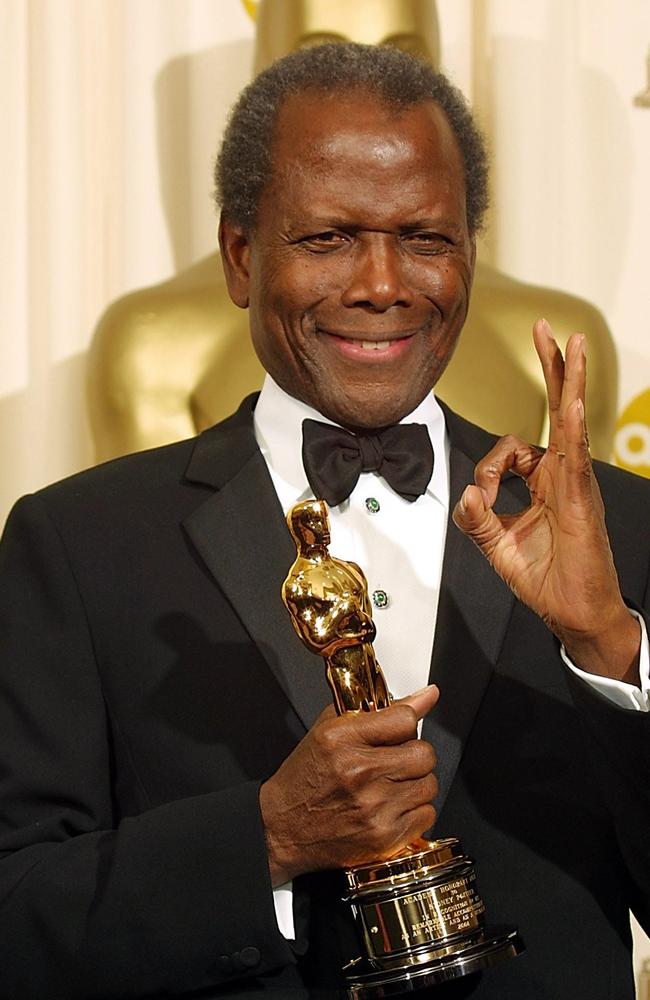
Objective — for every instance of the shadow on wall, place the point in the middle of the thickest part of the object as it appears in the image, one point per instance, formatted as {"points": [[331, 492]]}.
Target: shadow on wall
{"points": [[563, 151], [50, 437], [193, 94]]}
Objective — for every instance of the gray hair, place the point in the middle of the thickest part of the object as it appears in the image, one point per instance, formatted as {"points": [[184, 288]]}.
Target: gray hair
{"points": [[244, 164]]}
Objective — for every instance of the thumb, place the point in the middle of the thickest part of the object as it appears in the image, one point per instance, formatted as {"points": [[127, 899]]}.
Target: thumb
{"points": [[421, 701]]}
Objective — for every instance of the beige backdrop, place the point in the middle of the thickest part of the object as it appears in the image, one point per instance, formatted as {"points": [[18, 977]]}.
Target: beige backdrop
{"points": [[110, 114]]}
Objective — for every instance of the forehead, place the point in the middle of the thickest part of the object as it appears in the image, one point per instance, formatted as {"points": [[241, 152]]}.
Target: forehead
{"points": [[352, 135]]}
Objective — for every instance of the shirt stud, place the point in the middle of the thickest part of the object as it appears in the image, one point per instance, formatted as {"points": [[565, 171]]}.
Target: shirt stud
{"points": [[372, 505], [380, 599]]}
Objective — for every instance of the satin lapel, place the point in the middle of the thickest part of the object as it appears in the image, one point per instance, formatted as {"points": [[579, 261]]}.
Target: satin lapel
{"points": [[473, 614], [241, 534]]}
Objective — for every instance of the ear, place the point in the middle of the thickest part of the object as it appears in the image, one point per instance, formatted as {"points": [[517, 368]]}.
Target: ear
{"points": [[473, 257], [235, 256]]}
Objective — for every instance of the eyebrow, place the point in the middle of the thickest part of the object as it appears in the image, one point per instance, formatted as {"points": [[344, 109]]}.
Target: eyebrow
{"points": [[322, 223]]}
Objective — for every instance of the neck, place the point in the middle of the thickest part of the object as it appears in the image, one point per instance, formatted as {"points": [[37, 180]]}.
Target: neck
{"points": [[315, 550]]}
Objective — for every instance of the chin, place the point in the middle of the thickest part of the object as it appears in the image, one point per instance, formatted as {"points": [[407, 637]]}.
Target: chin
{"points": [[369, 415]]}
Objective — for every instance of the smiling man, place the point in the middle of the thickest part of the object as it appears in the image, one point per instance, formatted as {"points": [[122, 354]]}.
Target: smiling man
{"points": [[176, 797], [361, 265]]}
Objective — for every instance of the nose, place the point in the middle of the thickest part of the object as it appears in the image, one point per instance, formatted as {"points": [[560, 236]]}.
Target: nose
{"points": [[377, 279]]}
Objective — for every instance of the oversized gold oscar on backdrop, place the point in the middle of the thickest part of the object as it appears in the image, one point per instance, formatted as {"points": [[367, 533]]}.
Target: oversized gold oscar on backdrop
{"points": [[419, 914]]}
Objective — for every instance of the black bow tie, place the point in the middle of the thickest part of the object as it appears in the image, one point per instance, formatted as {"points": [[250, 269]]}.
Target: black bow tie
{"points": [[334, 459]]}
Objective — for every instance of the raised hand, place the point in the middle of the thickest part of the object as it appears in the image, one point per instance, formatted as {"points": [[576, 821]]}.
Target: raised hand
{"points": [[555, 554], [357, 788]]}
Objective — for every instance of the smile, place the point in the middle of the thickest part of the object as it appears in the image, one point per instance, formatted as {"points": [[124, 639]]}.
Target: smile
{"points": [[357, 348]]}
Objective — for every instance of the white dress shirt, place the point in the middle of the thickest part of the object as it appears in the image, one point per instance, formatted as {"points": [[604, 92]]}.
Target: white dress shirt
{"points": [[399, 545], [399, 548]]}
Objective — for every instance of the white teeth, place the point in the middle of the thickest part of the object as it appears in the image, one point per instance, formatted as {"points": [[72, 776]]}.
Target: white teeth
{"points": [[375, 345]]}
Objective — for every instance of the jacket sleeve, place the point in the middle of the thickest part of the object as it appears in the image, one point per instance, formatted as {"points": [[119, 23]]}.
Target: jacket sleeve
{"points": [[93, 904], [620, 738]]}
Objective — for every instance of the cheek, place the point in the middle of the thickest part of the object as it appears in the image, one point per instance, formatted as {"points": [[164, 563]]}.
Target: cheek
{"points": [[315, 280], [443, 352], [279, 322], [290, 292], [446, 347], [445, 284]]}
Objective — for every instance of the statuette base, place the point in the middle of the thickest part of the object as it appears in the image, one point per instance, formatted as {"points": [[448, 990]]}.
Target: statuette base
{"points": [[421, 921], [365, 983]]}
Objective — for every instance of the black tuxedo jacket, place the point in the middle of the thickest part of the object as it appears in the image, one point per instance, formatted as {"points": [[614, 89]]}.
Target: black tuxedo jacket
{"points": [[150, 679]]}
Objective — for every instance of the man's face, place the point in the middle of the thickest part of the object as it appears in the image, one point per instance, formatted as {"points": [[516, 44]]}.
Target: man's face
{"points": [[359, 270]]}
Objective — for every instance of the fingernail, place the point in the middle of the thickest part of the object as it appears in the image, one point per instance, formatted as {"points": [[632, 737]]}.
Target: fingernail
{"points": [[427, 687], [463, 501]]}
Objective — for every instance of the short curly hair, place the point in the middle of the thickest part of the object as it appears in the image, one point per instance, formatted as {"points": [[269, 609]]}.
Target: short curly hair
{"points": [[244, 164]]}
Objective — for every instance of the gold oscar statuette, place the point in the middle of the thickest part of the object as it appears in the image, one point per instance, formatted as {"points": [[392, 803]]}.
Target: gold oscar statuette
{"points": [[418, 912]]}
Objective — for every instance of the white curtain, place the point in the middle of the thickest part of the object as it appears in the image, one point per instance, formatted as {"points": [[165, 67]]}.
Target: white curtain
{"points": [[110, 114]]}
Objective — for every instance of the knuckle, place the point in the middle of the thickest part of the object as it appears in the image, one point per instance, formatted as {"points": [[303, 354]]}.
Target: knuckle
{"points": [[509, 442], [422, 819], [427, 755], [424, 790], [429, 816], [326, 745], [404, 718], [332, 735], [430, 787], [418, 756]]}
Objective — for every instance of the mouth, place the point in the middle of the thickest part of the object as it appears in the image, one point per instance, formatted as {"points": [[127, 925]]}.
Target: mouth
{"points": [[355, 345]]}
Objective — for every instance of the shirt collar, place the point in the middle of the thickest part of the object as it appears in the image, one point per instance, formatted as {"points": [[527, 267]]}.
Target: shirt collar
{"points": [[278, 421]]}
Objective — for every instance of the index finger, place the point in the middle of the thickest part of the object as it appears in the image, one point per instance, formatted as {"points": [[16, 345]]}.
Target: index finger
{"points": [[565, 379]]}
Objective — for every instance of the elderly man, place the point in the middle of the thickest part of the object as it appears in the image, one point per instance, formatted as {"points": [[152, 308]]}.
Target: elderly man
{"points": [[169, 780]]}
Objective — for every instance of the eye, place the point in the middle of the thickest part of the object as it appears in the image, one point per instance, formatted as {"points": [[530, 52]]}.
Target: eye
{"points": [[326, 241], [426, 242]]}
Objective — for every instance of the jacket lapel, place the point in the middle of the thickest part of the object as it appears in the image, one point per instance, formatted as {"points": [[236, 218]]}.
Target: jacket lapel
{"points": [[473, 612], [241, 534]]}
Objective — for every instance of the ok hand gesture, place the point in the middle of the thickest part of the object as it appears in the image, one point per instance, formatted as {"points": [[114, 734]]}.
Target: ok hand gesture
{"points": [[555, 554]]}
